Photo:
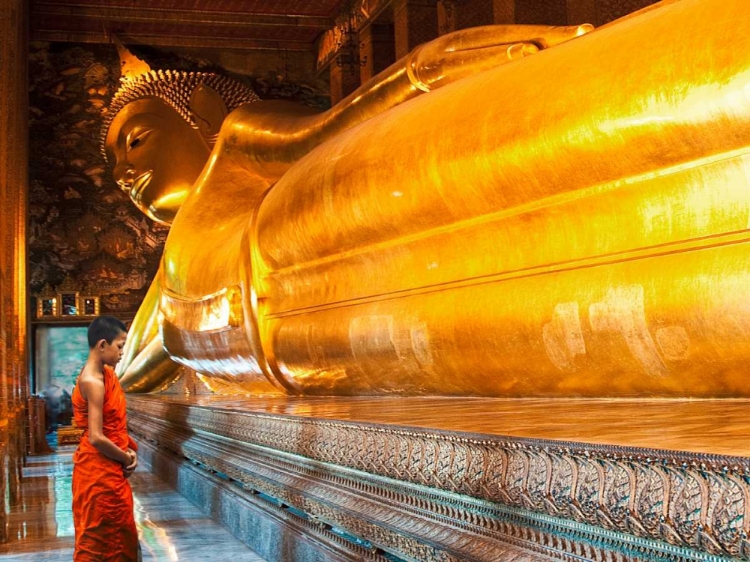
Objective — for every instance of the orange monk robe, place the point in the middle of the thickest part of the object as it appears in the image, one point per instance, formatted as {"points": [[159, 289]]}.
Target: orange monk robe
{"points": [[102, 498]]}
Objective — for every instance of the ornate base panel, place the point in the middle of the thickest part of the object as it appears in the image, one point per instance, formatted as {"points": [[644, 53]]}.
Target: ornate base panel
{"points": [[276, 531], [418, 494], [328, 507]]}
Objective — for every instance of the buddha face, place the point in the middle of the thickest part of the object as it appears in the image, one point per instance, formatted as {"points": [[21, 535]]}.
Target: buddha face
{"points": [[157, 156]]}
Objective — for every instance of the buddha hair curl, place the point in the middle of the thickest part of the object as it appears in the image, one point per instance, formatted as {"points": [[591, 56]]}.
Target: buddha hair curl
{"points": [[175, 88]]}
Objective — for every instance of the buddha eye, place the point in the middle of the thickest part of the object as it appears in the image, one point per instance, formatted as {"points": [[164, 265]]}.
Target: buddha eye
{"points": [[136, 138]]}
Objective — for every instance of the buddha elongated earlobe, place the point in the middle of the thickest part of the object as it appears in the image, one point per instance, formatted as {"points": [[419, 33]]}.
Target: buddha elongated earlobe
{"points": [[209, 110]]}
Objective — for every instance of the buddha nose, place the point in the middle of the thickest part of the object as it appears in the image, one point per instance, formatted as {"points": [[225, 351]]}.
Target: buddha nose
{"points": [[124, 175]]}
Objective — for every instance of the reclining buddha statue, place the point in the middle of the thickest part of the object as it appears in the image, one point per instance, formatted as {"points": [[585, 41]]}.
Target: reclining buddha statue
{"points": [[507, 211]]}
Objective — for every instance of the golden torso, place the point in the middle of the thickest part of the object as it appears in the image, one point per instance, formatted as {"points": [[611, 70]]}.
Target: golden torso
{"points": [[571, 224]]}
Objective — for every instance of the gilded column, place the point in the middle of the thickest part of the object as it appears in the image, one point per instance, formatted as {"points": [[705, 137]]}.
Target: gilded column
{"points": [[13, 208]]}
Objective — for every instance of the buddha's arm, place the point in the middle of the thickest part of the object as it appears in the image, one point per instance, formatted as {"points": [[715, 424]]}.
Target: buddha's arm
{"points": [[145, 365], [151, 369], [268, 137], [144, 327], [440, 62]]}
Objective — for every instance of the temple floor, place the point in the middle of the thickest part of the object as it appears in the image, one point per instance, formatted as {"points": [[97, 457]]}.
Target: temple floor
{"points": [[718, 426], [170, 528]]}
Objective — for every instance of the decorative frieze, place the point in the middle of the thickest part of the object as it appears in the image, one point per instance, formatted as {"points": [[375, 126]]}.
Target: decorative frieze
{"points": [[436, 486]]}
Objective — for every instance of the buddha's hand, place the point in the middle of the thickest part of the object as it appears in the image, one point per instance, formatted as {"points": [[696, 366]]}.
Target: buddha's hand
{"points": [[145, 365], [474, 50], [144, 328], [151, 370]]}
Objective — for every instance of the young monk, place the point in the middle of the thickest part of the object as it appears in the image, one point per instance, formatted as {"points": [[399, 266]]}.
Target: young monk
{"points": [[106, 457]]}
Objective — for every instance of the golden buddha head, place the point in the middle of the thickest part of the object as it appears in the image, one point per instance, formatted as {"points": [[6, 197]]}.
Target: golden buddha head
{"points": [[159, 131]]}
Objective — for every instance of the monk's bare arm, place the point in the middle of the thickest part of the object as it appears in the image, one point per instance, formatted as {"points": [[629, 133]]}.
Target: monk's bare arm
{"points": [[92, 390]]}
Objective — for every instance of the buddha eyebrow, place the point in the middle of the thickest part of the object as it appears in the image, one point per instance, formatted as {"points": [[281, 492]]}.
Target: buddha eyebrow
{"points": [[137, 124], [136, 130]]}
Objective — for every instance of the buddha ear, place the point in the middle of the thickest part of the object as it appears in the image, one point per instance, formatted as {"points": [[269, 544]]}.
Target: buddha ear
{"points": [[209, 111]]}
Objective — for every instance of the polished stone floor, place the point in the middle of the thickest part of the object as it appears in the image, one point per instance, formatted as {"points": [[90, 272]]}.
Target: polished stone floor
{"points": [[170, 528]]}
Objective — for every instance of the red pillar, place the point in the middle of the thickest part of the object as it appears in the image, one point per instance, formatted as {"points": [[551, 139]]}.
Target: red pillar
{"points": [[414, 22]]}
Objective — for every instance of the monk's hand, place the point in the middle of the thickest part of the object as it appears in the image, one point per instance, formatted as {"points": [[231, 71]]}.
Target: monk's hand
{"points": [[128, 470], [474, 50]]}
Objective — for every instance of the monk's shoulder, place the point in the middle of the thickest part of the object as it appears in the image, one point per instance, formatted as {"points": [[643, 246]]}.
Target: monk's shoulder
{"points": [[89, 380]]}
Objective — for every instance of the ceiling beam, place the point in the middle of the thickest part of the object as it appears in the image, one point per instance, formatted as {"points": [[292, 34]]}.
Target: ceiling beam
{"points": [[171, 40], [111, 13]]}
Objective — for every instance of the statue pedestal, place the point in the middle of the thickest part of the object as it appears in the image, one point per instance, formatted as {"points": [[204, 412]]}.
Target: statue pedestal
{"points": [[460, 478]]}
